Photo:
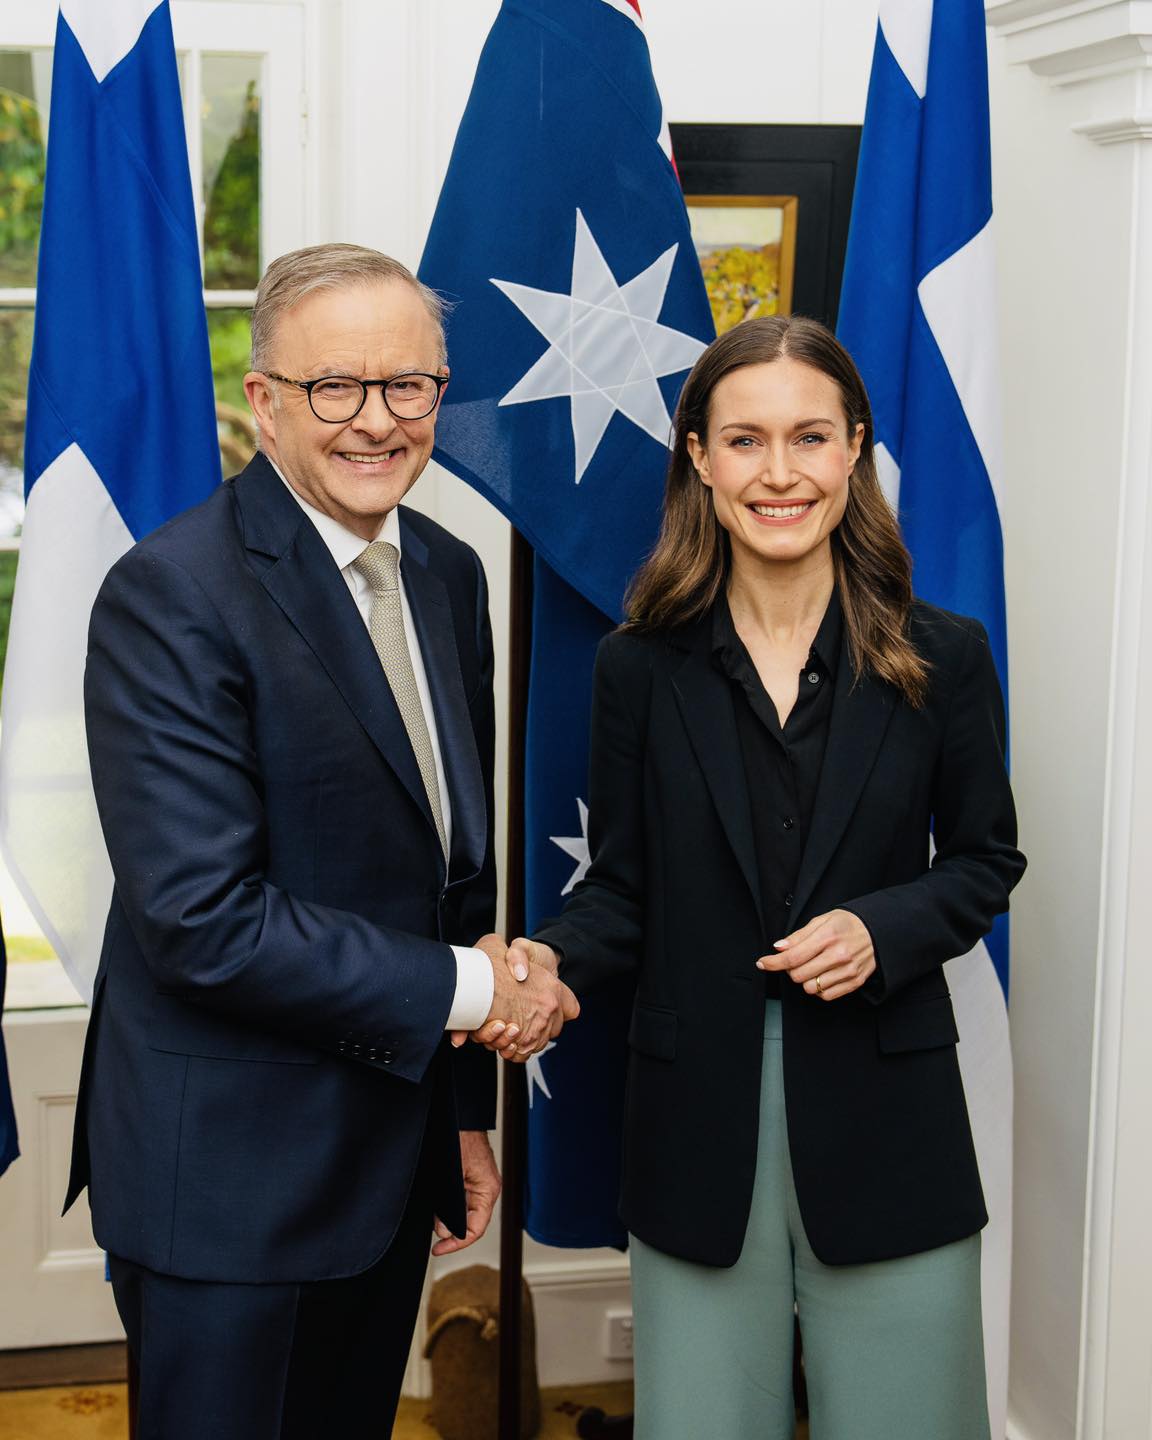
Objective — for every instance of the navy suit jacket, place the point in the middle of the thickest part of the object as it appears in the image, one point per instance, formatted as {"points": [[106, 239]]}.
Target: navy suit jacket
{"points": [[266, 1051]]}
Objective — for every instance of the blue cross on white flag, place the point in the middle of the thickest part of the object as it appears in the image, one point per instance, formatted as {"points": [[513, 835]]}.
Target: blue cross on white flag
{"points": [[917, 311], [580, 308], [121, 429]]}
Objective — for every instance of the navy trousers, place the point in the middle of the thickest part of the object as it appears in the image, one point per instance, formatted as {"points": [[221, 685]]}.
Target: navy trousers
{"points": [[276, 1362]]}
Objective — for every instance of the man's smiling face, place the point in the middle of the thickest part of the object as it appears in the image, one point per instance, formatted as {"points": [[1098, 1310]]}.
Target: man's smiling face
{"points": [[358, 471]]}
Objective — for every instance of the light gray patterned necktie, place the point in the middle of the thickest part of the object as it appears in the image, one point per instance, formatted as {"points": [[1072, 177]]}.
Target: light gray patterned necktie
{"points": [[380, 566]]}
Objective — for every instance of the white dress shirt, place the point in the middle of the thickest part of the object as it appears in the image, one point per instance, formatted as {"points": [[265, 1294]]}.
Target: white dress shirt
{"points": [[474, 986]]}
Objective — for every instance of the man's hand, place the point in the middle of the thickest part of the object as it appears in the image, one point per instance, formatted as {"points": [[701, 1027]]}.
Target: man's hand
{"points": [[496, 948], [530, 1005], [830, 956], [481, 1189]]}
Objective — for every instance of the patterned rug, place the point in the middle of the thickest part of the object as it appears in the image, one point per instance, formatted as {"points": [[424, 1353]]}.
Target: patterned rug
{"points": [[100, 1412], [88, 1412]]}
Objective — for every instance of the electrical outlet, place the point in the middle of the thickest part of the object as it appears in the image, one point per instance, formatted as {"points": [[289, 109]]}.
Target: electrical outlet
{"points": [[618, 1334]]}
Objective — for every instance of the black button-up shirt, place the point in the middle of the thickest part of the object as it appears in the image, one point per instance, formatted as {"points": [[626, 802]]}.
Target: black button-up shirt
{"points": [[781, 764]]}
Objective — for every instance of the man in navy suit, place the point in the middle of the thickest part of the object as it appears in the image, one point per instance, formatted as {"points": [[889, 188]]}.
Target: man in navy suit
{"points": [[290, 720]]}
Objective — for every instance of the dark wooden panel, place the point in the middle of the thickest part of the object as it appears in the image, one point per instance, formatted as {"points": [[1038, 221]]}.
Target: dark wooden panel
{"points": [[63, 1365], [816, 163]]}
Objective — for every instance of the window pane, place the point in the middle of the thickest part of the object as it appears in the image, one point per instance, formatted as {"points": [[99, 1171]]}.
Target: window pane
{"points": [[25, 84], [230, 110], [230, 340], [15, 352]]}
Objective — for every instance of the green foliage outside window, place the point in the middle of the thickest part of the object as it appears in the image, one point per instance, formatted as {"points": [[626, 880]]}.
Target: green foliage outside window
{"points": [[21, 187], [15, 356], [8, 559], [232, 214], [229, 336]]}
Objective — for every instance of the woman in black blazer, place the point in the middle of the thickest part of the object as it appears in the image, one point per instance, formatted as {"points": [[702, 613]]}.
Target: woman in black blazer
{"points": [[780, 734]]}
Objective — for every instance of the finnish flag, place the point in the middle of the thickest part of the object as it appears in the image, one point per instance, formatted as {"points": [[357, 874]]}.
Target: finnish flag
{"points": [[918, 313], [121, 431]]}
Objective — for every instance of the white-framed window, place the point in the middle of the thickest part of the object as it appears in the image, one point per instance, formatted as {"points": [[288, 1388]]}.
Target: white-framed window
{"points": [[242, 81]]}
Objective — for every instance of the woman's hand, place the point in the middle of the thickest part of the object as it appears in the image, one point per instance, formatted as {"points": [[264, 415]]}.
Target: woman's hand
{"points": [[522, 953], [830, 956], [504, 1039]]}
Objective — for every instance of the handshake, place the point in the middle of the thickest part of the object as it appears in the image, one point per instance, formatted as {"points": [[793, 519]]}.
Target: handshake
{"points": [[530, 1003]]}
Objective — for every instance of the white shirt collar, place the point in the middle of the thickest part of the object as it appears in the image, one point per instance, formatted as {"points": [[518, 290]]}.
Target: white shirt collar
{"points": [[344, 544]]}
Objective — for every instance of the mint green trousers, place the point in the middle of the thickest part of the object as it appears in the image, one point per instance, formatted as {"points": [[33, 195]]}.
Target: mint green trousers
{"points": [[892, 1350]]}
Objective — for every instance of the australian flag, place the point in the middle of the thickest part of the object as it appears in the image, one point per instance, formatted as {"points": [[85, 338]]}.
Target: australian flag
{"points": [[562, 237]]}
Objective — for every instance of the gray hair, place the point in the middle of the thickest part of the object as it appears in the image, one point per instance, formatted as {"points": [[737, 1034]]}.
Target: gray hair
{"points": [[290, 278]]}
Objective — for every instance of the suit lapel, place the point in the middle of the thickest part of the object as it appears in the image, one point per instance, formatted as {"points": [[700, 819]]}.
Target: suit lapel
{"points": [[298, 572], [705, 700], [860, 717], [436, 629]]}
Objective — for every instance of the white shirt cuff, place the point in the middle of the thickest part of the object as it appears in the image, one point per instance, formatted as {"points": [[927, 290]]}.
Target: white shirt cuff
{"points": [[474, 988]]}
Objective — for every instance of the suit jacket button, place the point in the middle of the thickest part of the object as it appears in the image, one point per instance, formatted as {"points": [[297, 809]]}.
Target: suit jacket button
{"points": [[387, 1056], [342, 1047], [372, 1053], [356, 1051]]}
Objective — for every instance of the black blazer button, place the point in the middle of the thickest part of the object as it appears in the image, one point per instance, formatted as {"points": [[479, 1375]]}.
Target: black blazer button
{"points": [[342, 1047], [355, 1051], [789, 823], [372, 1053], [387, 1056], [788, 898]]}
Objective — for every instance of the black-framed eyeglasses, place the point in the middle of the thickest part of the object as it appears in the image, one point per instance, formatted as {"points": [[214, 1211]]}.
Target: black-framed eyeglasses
{"points": [[336, 399]]}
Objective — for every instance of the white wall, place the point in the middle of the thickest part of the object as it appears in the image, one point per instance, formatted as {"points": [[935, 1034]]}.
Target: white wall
{"points": [[800, 62], [1064, 279]]}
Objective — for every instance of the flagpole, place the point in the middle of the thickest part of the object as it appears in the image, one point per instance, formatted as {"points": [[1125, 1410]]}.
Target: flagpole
{"points": [[514, 1110]]}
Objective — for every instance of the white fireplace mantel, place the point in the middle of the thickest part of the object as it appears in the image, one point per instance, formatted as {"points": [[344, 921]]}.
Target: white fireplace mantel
{"points": [[1102, 48], [1073, 42]]}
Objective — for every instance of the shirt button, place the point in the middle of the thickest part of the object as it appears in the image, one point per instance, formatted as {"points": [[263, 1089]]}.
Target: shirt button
{"points": [[788, 898], [813, 677], [789, 823]]}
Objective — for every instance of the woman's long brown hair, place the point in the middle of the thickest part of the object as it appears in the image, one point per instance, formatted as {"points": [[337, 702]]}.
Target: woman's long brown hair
{"points": [[690, 563]]}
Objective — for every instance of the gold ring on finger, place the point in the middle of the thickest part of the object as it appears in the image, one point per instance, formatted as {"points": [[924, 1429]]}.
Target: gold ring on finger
{"points": [[819, 984]]}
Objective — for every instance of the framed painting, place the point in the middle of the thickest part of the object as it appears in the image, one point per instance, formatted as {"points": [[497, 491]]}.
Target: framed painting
{"points": [[769, 207], [747, 250]]}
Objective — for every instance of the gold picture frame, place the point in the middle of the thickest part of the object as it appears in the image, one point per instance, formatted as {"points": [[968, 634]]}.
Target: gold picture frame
{"points": [[746, 245]]}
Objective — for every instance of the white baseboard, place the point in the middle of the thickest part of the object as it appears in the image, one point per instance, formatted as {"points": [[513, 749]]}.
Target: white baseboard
{"points": [[570, 1298]]}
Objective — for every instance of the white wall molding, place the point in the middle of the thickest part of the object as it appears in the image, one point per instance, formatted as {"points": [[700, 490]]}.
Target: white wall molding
{"points": [[1116, 1327], [1119, 130], [567, 1274], [1070, 43]]}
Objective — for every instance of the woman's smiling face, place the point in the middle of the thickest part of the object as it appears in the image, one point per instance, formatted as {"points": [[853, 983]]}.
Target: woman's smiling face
{"points": [[777, 458]]}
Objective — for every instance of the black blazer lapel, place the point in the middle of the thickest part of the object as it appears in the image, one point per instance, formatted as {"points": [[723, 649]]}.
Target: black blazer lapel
{"points": [[705, 700], [860, 716], [299, 574], [436, 629]]}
